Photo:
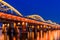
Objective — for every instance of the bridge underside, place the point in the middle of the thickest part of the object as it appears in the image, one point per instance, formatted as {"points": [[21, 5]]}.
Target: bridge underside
{"points": [[15, 22], [17, 26]]}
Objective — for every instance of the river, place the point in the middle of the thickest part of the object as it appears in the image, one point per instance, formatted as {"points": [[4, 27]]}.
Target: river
{"points": [[48, 35]]}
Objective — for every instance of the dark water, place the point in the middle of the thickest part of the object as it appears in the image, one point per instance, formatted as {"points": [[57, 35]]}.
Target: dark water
{"points": [[49, 35]]}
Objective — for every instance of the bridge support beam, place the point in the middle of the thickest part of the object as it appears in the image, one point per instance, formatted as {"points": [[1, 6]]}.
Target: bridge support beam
{"points": [[5, 27], [18, 27], [11, 28], [38, 28], [24, 26], [30, 27], [15, 27]]}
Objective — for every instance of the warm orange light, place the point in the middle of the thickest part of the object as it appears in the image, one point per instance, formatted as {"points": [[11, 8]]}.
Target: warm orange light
{"points": [[14, 25], [23, 23], [3, 26], [8, 25], [19, 23], [1, 0], [38, 26], [32, 26], [17, 18], [44, 26]]}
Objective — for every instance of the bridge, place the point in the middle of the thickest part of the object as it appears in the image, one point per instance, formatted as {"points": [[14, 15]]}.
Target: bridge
{"points": [[19, 23]]}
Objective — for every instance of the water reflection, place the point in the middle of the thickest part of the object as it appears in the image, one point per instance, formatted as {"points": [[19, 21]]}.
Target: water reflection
{"points": [[49, 35]]}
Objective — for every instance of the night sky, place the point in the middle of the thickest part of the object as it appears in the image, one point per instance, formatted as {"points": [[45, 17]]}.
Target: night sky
{"points": [[48, 9]]}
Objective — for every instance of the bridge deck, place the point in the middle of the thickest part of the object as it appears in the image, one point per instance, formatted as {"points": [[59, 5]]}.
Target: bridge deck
{"points": [[17, 18]]}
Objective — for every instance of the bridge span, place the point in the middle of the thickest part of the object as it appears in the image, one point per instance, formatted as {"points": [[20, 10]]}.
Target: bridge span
{"points": [[17, 22]]}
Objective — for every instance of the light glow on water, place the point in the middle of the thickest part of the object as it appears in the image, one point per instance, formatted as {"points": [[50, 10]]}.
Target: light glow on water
{"points": [[49, 35]]}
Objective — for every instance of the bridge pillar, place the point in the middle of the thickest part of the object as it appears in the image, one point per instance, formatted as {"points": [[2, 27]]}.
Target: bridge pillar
{"points": [[38, 28], [4, 27], [45, 27], [11, 28], [24, 26], [24, 30], [30, 30], [35, 28], [15, 27], [48, 27], [18, 27], [30, 27]]}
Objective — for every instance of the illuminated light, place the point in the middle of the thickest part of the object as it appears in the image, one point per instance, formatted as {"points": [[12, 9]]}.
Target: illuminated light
{"points": [[41, 26], [1, 0], [3, 26], [14, 25], [14, 38], [26, 24], [8, 25], [44, 26], [32, 26], [23, 23], [38, 26], [19, 23]]}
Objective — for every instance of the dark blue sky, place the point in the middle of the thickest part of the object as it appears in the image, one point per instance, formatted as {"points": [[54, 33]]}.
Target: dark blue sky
{"points": [[48, 9]]}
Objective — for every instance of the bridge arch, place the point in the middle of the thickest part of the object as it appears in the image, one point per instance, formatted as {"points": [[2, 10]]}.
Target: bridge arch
{"points": [[10, 7], [36, 17], [49, 21]]}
